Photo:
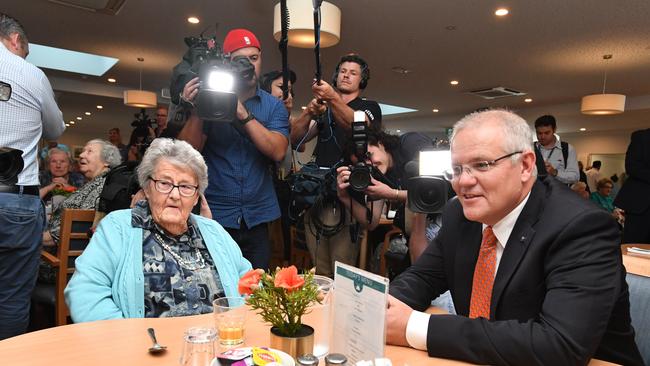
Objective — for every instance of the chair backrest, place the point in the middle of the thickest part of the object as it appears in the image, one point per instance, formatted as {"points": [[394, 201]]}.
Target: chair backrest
{"points": [[640, 312], [75, 225]]}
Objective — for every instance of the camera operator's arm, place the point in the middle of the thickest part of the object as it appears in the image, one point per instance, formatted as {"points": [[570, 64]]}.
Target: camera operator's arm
{"points": [[418, 240], [304, 123], [192, 131], [273, 144], [358, 210], [343, 114]]}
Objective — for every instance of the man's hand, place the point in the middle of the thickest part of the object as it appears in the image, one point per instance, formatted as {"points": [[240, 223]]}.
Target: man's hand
{"points": [[205, 209], [138, 196], [342, 183], [324, 91], [549, 169], [397, 317], [316, 109], [190, 90]]}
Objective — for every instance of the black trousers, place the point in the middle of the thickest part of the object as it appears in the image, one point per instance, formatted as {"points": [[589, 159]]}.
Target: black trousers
{"points": [[254, 244]]}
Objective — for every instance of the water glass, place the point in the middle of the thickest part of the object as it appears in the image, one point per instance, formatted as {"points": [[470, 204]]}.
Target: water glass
{"points": [[199, 347], [229, 316], [319, 315]]}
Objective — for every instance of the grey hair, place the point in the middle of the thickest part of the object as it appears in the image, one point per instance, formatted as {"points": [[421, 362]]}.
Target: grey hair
{"points": [[516, 133], [176, 152], [56, 150], [110, 154], [9, 26], [578, 186]]}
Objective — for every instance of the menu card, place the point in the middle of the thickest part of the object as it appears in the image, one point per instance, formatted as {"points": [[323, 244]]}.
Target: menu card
{"points": [[360, 300]]}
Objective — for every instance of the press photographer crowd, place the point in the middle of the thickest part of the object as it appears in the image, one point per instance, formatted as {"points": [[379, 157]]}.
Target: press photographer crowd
{"points": [[504, 230]]}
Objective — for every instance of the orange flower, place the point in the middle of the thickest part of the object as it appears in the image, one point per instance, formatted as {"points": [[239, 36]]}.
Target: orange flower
{"points": [[70, 189], [288, 279], [249, 280]]}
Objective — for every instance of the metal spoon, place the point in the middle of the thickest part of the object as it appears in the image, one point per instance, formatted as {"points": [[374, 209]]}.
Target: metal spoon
{"points": [[156, 348]]}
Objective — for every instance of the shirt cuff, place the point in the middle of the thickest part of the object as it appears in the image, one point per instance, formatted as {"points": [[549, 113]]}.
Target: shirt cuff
{"points": [[416, 330]]}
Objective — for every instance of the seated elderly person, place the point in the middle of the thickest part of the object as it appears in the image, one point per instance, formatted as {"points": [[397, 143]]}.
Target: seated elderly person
{"points": [[97, 158], [58, 174], [603, 198], [157, 259], [581, 189]]}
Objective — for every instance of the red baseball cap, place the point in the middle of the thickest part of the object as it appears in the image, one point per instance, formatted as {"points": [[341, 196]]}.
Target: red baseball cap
{"points": [[240, 38]]}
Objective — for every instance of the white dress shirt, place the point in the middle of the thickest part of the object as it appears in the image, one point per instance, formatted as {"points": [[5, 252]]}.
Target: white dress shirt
{"points": [[30, 112], [418, 323]]}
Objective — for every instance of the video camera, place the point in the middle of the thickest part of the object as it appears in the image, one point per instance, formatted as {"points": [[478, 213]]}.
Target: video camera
{"points": [[219, 78], [429, 191], [141, 136]]}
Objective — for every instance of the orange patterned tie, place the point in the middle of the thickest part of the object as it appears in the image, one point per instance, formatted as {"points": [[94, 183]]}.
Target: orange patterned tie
{"points": [[484, 276]]}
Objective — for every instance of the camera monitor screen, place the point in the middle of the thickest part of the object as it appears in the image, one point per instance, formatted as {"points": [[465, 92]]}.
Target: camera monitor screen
{"points": [[434, 162]]}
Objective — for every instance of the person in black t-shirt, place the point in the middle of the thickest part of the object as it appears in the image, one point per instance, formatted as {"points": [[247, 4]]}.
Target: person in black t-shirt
{"points": [[329, 116]]}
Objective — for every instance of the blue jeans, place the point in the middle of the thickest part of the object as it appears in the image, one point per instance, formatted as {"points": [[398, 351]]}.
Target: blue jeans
{"points": [[254, 244], [22, 219]]}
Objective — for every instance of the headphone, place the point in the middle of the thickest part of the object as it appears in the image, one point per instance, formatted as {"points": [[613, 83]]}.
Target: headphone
{"points": [[365, 70]]}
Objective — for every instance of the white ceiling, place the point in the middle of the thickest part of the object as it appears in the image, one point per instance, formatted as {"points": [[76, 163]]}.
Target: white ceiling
{"points": [[551, 49]]}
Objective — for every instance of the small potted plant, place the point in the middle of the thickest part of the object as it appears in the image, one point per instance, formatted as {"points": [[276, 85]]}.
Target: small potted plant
{"points": [[282, 298]]}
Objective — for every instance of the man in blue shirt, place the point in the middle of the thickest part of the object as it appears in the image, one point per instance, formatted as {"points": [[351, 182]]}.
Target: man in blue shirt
{"points": [[240, 190]]}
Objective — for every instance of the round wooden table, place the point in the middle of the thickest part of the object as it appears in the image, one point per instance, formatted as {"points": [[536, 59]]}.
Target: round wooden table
{"points": [[125, 342]]}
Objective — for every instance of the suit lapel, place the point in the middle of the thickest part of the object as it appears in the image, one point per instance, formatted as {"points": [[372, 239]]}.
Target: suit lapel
{"points": [[467, 245], [520, 237]]}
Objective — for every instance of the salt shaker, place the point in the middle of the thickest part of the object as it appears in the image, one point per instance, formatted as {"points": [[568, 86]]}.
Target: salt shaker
{"points": [[307, 360], [336, 359]]}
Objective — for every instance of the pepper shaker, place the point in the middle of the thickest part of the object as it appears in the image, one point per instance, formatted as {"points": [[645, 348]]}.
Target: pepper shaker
{"points": [[307, 360], [334, 359]]}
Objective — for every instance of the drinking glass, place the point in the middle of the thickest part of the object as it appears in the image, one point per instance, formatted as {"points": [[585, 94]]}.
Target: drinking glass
{"points": [[229, 316], [319, 316], [199, 347]]}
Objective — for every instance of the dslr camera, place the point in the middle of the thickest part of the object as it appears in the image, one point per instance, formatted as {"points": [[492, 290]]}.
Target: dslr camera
{"points": [[219, 78], [11, 164]]}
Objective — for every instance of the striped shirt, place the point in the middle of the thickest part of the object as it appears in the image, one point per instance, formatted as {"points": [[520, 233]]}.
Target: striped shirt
{"points": [[30, 112]]}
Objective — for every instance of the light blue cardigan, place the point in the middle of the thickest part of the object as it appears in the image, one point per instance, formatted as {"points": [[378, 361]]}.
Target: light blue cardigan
{"points": [[109, 283]]}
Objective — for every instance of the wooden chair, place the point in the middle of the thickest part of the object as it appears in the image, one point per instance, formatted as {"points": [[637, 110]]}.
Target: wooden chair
{"points": [[75, 225], [393, 232], [300, 256]]}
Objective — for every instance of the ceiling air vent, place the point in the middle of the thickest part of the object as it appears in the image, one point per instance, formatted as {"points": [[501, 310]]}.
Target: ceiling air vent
{"points": [[108, 7], [498, 92]]}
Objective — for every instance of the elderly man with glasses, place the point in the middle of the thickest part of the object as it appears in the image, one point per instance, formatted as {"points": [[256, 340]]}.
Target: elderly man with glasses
{"points": [[534, 270]]}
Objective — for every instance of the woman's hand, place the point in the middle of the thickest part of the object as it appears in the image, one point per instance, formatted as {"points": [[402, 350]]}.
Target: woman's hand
{"points": [[342, 182]]}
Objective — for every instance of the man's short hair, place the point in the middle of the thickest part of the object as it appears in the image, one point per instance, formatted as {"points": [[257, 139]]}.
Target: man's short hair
{"points": [[546, 120], [116, 129], [516, 134], [9, 26], [596, 164], [363, 65]]}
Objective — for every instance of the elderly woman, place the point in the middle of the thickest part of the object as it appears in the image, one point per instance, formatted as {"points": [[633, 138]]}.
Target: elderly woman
{"points": [[603, 198], [97, 158], [157, 259], [58, 173]]}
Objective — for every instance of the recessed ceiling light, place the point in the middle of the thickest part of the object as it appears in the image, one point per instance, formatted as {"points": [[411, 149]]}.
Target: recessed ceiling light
{"points": [[67, 125], [501, 12], [398, 131], [454, 82], [400, 70], [71, 122], [583, 129], [303, 107], [100, 107], [528, 100], [436, 110], [79, 118], [111, 80], [193, 20], [87, 113]]}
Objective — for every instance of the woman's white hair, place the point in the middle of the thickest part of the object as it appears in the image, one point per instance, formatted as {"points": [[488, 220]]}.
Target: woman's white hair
{"points": [[109, 153], [516, 133], [176, 152]]}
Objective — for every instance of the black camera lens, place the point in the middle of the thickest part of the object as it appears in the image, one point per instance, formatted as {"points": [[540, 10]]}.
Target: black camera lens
{"points": [[359, 177], [11, 164]]}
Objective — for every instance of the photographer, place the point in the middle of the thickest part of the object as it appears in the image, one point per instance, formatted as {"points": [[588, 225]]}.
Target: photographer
{"points": [[240, 190], [27, 112]]}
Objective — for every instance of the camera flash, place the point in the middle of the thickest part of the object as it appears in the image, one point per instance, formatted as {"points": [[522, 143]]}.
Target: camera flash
{"points": [[221, 81], [359, 116]]}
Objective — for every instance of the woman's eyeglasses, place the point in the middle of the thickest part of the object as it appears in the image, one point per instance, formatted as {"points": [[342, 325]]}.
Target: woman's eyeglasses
{"points": [[166, 187]]}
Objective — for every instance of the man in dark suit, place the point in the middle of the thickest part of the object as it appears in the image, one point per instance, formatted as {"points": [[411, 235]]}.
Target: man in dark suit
{"points": [[534, 270], [634, 196]]}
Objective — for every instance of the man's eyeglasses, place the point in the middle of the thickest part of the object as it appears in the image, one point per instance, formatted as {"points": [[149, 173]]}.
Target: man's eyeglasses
{"points": [[475, 167], [166, 187]]}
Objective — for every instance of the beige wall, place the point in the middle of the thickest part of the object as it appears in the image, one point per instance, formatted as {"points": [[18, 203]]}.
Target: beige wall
{"points": [[608, 142]]}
